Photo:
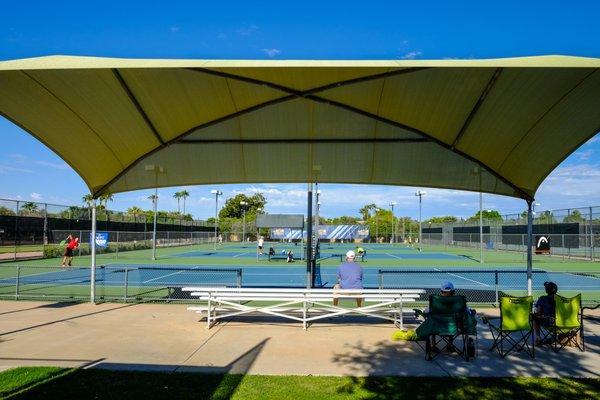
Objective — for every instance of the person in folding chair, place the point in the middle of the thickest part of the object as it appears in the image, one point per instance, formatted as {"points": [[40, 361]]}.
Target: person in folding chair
{"points": [[446, 319], [544, 310], [564, 325], [515, 330]]}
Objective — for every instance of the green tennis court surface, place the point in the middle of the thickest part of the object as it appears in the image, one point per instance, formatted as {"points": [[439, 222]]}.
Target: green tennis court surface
{"points": [[134, 274]]}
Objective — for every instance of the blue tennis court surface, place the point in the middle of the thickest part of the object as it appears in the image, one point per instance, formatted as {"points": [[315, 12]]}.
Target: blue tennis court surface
{"points": [[251, 253], [295, 276]]}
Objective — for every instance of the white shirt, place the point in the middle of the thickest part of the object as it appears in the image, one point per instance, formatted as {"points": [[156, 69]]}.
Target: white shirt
{"points": [[261, 241]]}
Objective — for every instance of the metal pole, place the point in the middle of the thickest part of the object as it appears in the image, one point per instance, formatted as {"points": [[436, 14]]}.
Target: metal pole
{"points": [[117, 251], [529, 243], [16, 230], [309, 237], [480, 223], [154, 201], [393, 236], [496, 285], [376, 225], [45, 240], [93, 253], [216, 215], [126, 282], [17, 282]]}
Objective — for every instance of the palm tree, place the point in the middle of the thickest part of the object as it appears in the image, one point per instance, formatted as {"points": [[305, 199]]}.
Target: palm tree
{"points": [[30, 207], [184, 194], [105, 198], [89, 200], [366, 211], [178, 196], [135, 211]]}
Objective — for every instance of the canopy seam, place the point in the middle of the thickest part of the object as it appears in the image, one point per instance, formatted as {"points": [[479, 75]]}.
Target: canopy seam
{"points": [[536, 123], [77, 116]]}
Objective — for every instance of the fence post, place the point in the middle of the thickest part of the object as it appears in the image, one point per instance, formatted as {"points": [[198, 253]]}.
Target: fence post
{"points": [[496, 285], [17, 282], [117, 252], [16, 230], [380, 279], [81, 240], [126, 283], [239, 278]]}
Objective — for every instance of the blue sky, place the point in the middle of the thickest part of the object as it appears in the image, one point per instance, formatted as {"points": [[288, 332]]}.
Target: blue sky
{"points": [[296, 30]]}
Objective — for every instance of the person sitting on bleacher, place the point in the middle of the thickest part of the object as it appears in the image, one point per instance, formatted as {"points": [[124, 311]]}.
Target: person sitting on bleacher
{"points": [[271, 251]]}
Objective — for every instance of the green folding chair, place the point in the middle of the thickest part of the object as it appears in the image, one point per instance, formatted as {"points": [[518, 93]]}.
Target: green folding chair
{"points": [[446, 321], [516, 326], [566, 325]]}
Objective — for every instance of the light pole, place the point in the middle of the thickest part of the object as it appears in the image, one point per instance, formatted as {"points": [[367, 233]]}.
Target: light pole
{"points": [[392, 204], [157, 169], [244, 204], [217, 193], [420, 193], [376, 224]]}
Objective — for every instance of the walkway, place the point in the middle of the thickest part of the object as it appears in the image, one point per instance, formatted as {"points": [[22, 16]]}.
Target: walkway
{"points": [[167, 337]]}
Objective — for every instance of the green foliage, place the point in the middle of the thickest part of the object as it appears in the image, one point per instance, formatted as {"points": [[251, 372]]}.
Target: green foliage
{"points": [[490, 215], [365, 211], [29, 208], [6, 211], [546, 217], [233, 209], [343, 220], [444, 219], [574, 216]]}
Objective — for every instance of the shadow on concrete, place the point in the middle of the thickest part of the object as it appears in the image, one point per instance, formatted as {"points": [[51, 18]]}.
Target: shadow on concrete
{"points": [[66, 319], [60, 304], [407, 358], [387, 366], [103, 380]]}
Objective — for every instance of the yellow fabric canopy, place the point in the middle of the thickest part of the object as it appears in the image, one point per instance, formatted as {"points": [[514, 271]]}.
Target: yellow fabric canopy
{"points": [[498, 126]]}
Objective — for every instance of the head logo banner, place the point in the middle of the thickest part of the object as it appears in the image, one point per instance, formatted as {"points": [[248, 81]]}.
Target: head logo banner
{"points": [[542, 245], [101, 239]]}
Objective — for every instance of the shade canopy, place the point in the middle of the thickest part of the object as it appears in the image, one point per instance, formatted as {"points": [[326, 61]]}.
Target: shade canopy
{"points": [[498, 126]]}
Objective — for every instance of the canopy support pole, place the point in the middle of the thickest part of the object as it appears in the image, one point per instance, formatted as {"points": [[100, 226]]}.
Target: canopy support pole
{"points": [[93, 254], [529, 244], [309, 264]]}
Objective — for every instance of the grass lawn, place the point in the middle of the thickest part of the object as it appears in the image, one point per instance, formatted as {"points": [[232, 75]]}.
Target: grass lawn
{"points": [[62, 383]]}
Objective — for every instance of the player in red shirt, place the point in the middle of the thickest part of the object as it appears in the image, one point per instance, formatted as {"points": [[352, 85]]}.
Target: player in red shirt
{"points": [[72, 244]]}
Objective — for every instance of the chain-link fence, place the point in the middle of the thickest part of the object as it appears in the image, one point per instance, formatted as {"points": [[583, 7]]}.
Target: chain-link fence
{"points": [[113, 283], [573, 233], [486, 286], [30, 230], [564, 246]]}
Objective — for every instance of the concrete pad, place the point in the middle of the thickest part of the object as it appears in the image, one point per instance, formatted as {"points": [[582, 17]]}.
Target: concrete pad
{"points": [[167, 337]]}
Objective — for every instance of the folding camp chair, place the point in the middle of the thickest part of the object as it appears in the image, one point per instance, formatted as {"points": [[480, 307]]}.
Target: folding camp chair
{"points": [[566, 325], [515, 328], [447, 320]]}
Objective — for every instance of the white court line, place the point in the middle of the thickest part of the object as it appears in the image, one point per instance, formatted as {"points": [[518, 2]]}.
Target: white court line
{"points": [[241, 254], [164, 276], [391, 255], [466, 279]]}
